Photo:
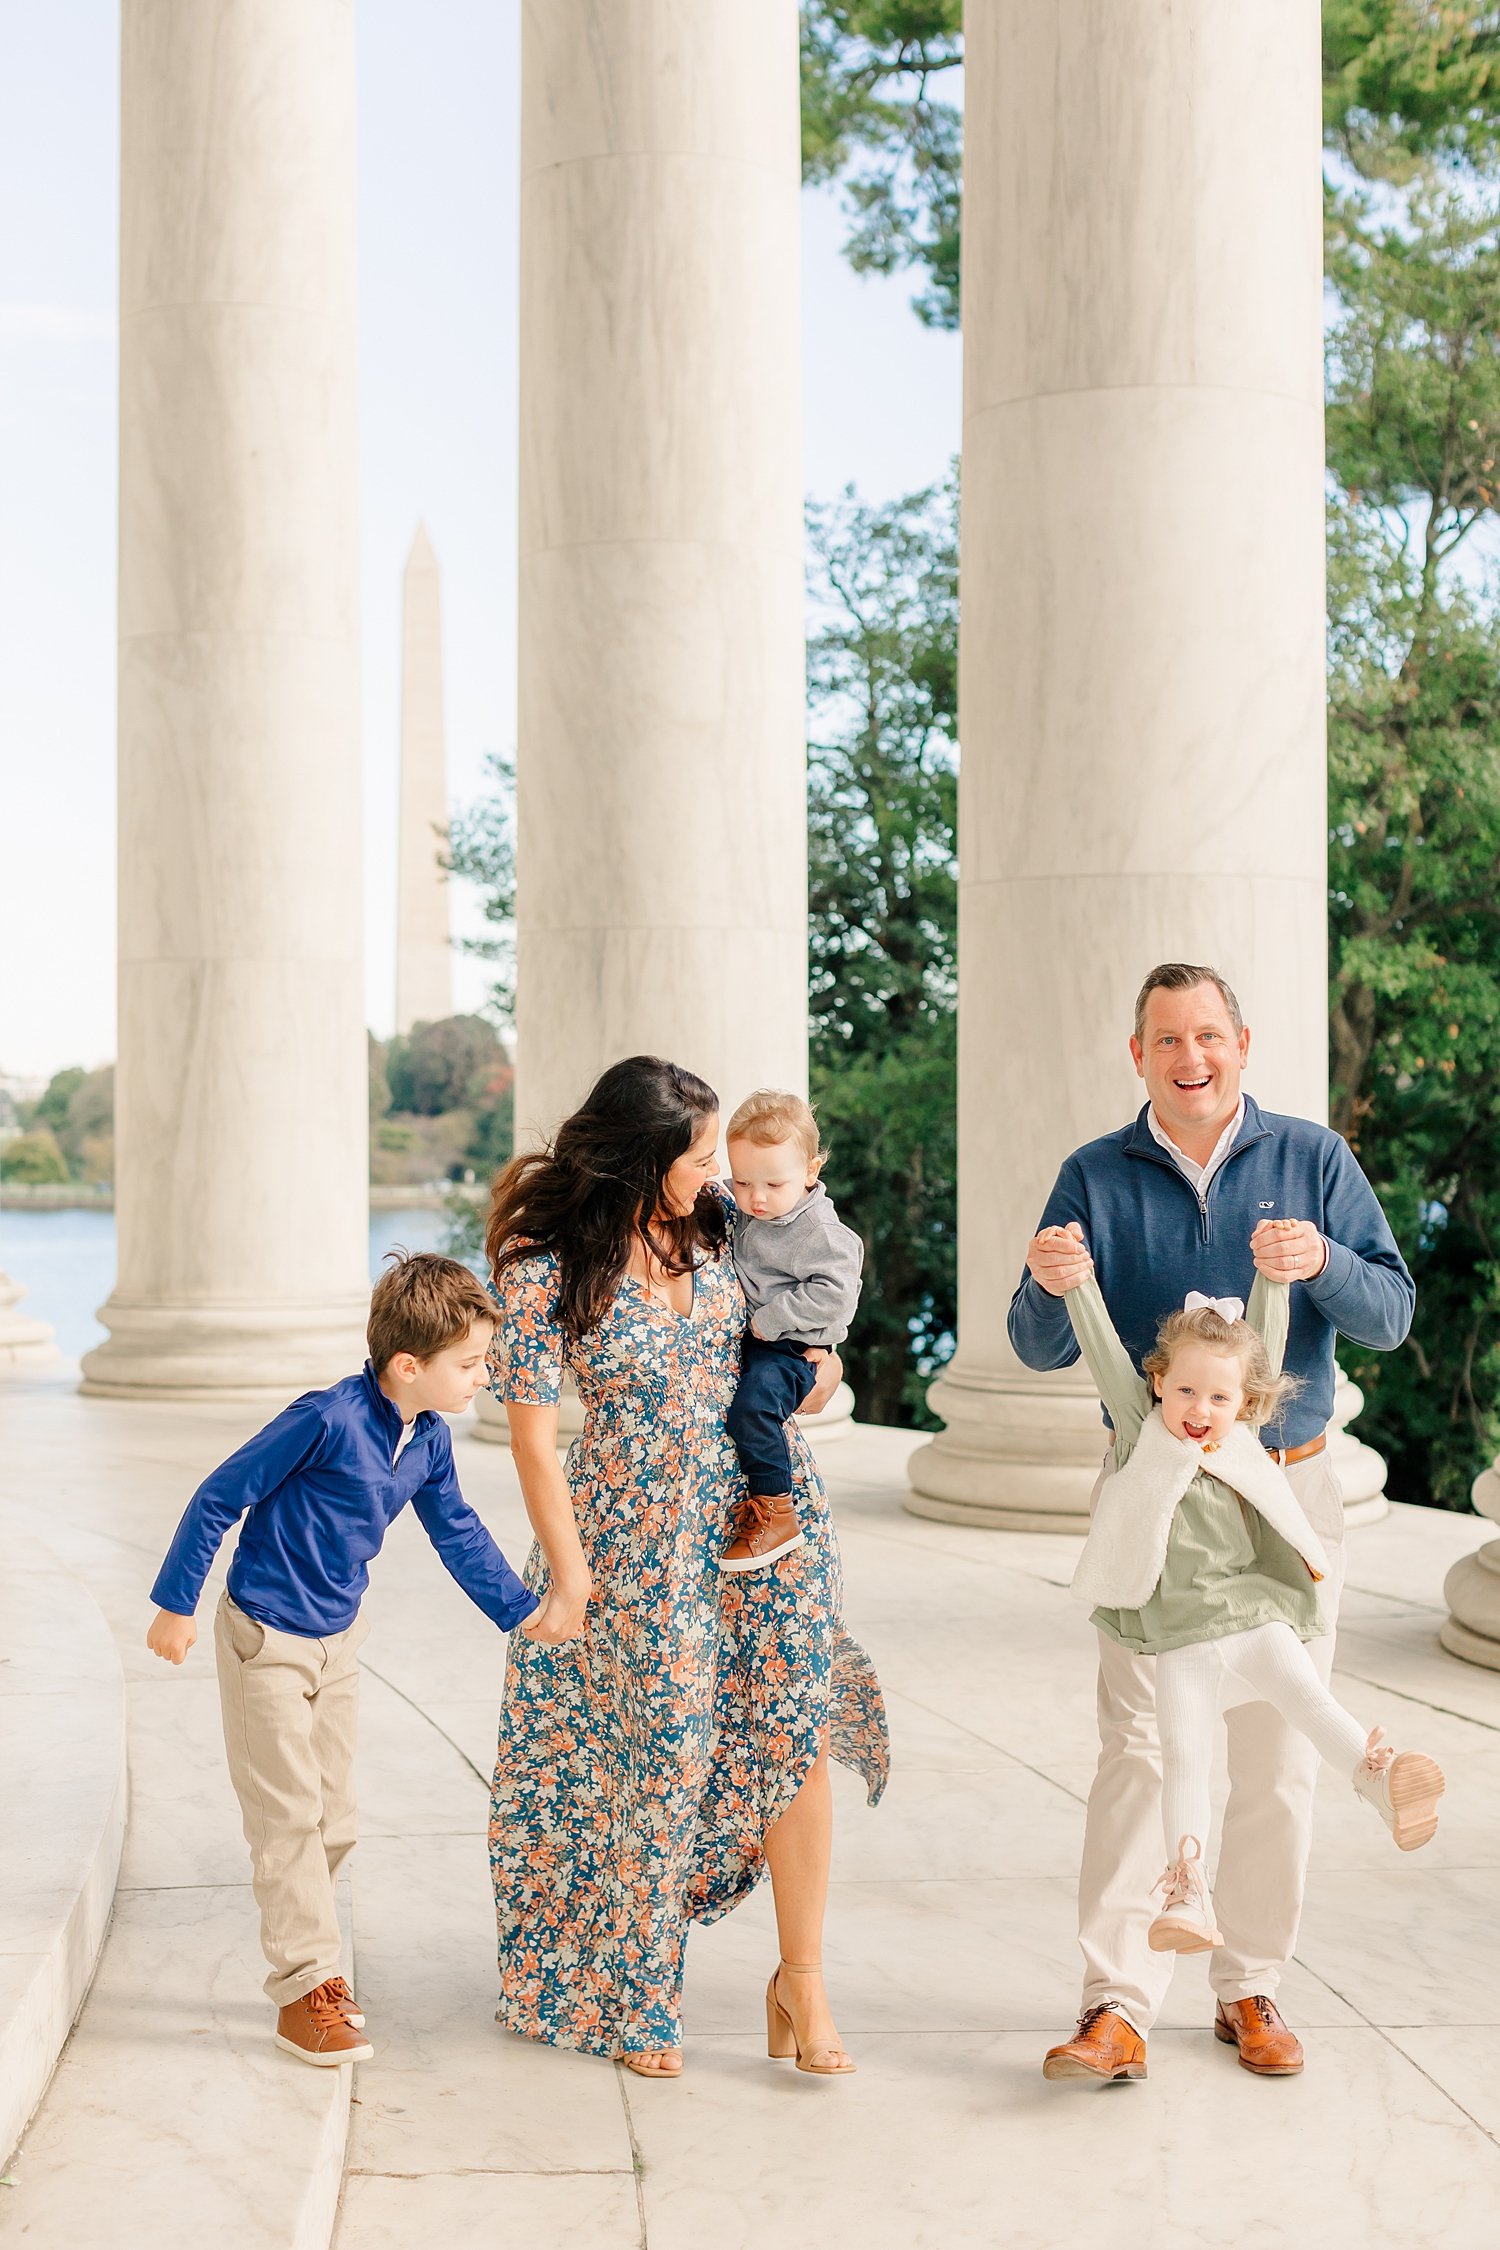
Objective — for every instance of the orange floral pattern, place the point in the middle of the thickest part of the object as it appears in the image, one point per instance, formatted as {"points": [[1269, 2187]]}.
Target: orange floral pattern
{"points": [[640, 1766]]}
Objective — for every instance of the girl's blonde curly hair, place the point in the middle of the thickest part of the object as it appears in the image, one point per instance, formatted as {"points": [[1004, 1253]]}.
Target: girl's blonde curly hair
{"points": [[1265, 1394]]}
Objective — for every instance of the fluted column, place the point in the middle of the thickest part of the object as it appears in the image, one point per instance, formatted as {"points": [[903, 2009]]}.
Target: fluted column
{"points": [[242, 1078], [661, 762], [424, 951], [1141, 656], [1472, 1587]]}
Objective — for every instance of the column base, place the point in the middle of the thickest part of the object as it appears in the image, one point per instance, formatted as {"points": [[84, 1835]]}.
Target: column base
{"points": [[1359, 1468], [230, 1352], [1472, 1592], [1020, 1452], [27, 1347], [1472, 1587]]}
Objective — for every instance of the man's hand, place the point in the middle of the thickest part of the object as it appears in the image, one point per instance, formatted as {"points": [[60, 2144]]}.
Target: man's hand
{"points": [[171, 1636], [1288, 1250], [830, 1374], [1058, 1260], [560, 1617]]}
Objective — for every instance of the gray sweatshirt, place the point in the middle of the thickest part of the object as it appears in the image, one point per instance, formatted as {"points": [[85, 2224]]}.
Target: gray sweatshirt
{"points": [[800, 1273]]}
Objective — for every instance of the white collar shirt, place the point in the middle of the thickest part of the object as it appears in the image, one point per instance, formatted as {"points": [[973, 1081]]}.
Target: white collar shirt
{"points": [[1198, 1176]]}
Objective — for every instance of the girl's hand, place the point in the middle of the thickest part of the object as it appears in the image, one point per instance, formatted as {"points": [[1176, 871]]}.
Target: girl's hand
{"points": [[171, 1636], [560, 1617], [830, 1374]]}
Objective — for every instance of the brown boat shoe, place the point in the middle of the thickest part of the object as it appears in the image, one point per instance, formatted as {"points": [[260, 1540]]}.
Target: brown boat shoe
{"points": [[1266, 2046], [316, 2030], [1105, 2046]]}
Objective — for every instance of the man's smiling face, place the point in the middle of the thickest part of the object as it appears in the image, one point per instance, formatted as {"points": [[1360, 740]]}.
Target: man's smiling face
{"points": [[1191, 1057]]}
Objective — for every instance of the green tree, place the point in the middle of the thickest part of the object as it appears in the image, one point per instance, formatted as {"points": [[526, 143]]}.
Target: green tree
{"points": [[438, 1067], [882, 809], [482, 852], [34, 1159], [87, 1135], [874, 117], [51, 1108]]}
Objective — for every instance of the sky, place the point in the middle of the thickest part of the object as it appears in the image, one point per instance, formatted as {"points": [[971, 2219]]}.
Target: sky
{"points": [[438, 263]]}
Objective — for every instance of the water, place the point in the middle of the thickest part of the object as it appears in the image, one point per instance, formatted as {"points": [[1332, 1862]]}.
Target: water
{"points": [[65, 1262]]}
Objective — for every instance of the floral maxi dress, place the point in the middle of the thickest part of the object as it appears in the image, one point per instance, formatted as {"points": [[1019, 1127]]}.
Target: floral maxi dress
{"points": [[640, 1766]]}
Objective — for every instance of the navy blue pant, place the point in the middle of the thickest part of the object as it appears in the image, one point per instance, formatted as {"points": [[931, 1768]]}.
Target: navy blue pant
{"points": [[774, 1380]]}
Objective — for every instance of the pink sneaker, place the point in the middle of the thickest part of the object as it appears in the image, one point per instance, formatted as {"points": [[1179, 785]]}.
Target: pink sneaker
{"points": [[1186, 1922], [1404, 1786]]}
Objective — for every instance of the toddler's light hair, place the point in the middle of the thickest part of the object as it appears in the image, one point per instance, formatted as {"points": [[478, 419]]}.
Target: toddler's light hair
{"points": [[1265, 1393], [769, 1116]]}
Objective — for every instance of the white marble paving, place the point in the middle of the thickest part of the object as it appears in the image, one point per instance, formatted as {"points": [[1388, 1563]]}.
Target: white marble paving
{"points": [[950, 1942]]}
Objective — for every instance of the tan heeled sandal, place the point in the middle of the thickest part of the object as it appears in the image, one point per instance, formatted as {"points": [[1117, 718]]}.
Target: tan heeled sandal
{"points": [[781, 2033], [649, 2062]]}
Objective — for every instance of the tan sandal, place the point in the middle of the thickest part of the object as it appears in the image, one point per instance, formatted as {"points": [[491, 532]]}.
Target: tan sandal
{"points": [[781, 2033], [653, 2062]]}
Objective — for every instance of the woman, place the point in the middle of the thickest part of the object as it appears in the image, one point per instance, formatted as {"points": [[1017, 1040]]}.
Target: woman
{"points": [[674, 1737]]}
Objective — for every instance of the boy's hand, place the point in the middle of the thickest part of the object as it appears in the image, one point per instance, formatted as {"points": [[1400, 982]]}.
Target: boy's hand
{"points": [[1288, 1250], [171, 1636], [1058, 1260], [559, 1619]]}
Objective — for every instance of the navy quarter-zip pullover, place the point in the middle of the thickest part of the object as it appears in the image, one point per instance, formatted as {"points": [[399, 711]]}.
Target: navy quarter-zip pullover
{"points": [[1152, 1239], [319, 1488]]}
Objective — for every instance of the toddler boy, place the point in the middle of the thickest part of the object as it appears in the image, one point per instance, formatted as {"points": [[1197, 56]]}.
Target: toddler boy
{"points": [[799, 1268], [322, 1484]]}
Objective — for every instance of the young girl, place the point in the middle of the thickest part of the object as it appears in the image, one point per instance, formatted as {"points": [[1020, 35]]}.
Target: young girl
{"points": [[1200, 1556]]}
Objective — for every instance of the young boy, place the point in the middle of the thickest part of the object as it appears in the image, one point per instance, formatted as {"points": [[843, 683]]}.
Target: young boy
{"points": [[322, 1484], [799, 1269]]}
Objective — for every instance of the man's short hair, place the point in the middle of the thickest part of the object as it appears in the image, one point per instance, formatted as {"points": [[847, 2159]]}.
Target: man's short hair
{"points": [[1182, 976], [423, 1304], [770, 1116]]}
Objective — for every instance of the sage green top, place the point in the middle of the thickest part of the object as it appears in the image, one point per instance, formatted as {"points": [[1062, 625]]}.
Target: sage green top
{"points": [[1226, 1569]]}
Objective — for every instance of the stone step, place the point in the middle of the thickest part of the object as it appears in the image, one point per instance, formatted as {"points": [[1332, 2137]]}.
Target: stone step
{"points": [[62, 1812], [172, 2109]]}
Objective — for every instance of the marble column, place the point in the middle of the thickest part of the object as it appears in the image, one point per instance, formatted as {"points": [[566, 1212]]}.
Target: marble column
{"points": [[241, 1127], [1472, 1587], [424, 952], [1141, 661], [661, 775]]}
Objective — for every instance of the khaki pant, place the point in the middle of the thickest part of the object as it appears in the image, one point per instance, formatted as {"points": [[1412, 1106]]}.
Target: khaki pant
{"points": [[290, 1707], [1267, 1820]]}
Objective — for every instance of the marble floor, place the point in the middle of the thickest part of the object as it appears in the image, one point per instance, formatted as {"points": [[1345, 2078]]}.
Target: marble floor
{"points": [[950, 1947]]}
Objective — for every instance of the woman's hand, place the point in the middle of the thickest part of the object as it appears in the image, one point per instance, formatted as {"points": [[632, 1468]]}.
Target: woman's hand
{"points": [[830, 1374], [560, 1617]]}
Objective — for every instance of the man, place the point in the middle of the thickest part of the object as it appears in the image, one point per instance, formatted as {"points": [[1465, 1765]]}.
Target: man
{"points": [[1179, 1200]]}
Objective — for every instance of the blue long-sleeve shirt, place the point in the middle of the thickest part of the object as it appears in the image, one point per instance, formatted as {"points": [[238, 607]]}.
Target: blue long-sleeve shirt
{"points": [[319, 1488], [1152, 1239]]}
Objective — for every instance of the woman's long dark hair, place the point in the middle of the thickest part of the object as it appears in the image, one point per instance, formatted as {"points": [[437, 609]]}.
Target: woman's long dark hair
{"points": [[600, 1185]]}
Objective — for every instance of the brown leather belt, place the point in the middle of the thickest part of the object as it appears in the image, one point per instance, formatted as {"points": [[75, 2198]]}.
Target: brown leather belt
{"points": [[1285, 1456]]}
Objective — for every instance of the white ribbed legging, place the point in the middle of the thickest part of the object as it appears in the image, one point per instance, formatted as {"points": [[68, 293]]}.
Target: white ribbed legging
{"points": [[1190, 1683]]}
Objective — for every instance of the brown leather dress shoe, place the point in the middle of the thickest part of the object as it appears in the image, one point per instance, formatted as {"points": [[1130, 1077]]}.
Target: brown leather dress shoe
{"points": [[316, 2030], [1104, 2046], [1265, 2044]]}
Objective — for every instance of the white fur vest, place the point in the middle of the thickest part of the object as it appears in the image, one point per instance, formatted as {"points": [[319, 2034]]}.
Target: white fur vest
{"points": [[1126, 1548]]}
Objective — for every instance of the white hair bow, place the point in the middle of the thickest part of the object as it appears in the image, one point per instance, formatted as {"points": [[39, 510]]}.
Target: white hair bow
{"points": [[1227, 1308]]}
